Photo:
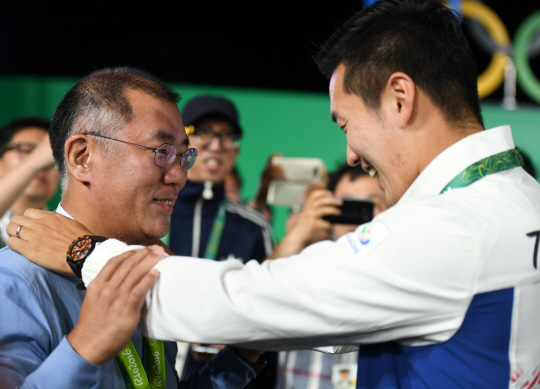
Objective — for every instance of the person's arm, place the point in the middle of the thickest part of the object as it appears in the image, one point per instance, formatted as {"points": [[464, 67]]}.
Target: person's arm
{"points": [[308, 226], [108, 318], [26, 358], [16, 180], [384, 283], [374, 288], [45, 237]]}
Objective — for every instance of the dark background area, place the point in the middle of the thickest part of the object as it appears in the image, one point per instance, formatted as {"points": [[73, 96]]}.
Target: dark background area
{"points": [[256, 44]]}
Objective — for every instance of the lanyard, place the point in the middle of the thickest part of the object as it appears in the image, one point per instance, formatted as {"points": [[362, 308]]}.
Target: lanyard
{"points": [[133, 371], [216, 233], [506, 160]]}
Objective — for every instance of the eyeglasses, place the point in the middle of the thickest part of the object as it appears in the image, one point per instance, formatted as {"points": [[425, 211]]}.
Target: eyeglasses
{"points": [[165, 154], [204, 136], [24, 148]]}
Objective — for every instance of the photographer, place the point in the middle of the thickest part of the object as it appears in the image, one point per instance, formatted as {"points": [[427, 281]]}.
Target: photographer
{"points": [[306, 368]]}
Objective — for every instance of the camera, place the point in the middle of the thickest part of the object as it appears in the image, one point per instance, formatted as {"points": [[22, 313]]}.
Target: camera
{"points": [[353, 212]]}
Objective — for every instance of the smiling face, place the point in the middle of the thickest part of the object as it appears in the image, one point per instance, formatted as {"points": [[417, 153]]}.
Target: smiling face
{"points": [[43, 186], [136, 195], [373, 137], [214, 162]]}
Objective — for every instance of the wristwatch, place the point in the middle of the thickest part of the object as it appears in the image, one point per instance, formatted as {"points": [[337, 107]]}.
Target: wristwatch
{"points": [[79, 250]]}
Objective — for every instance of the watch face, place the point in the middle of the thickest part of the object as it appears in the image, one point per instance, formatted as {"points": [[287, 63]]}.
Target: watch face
{"points": [[82, 248]]}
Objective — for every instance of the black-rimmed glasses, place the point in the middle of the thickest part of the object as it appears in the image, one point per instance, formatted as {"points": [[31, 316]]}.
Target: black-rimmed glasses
{"points": [[204, 136], [164, 155]]}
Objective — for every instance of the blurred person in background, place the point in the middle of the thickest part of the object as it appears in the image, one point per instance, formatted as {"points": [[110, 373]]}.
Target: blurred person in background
{"points": [[233, 185], [27, 175], [205, 222]]}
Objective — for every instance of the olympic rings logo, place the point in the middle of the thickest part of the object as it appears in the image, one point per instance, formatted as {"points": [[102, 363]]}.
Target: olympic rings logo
{"points": [[504, 54]]}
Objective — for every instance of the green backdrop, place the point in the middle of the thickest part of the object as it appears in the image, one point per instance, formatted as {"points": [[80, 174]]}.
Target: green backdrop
{"points": [[295, 124]]}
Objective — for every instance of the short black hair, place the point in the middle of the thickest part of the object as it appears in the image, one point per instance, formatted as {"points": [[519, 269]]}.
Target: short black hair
{"points": [[353, 171], [10, 129], [421, 38], [97, 103]]}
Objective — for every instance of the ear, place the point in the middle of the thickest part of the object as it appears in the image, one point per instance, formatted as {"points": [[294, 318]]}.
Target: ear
{"points": [[400, 93], [78, 154]]}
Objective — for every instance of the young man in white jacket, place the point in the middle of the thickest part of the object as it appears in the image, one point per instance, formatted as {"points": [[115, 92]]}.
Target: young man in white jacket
{"points": [[441, 291]]}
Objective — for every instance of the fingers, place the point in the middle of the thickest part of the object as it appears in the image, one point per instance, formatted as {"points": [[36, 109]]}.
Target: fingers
{"points": [[33, 213], [142, 268], [139, 291], [29, 221], [17, 244], [322, 203]]}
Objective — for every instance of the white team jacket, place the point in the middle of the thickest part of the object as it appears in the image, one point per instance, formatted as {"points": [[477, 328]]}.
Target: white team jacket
{"points": [[439, 290]]}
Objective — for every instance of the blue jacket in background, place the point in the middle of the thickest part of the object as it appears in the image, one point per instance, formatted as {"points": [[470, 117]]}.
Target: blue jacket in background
{"points": [[246, 234]]}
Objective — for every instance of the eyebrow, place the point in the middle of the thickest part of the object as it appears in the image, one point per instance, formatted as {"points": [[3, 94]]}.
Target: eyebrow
{"points": [[186, 141], [163, 135], [168, 137]]}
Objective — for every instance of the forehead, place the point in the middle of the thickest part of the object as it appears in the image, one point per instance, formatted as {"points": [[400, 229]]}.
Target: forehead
{"points": [[362, 187], [337, 95], [154, 118], [29, 134]]}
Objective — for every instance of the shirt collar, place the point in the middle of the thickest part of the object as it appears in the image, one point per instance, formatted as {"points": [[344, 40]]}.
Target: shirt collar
{"points": [[63, 212], [4, 221], [458, 157]]}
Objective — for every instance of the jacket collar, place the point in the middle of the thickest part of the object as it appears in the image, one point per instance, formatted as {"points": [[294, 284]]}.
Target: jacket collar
{"points": [[192, 191], [456, 158]]}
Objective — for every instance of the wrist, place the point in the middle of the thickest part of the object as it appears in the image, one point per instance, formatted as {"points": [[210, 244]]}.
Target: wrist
{"points": [[84, 348]]}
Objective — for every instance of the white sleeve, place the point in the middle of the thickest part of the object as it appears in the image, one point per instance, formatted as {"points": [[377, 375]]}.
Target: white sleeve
{"points": [[403, 280]]}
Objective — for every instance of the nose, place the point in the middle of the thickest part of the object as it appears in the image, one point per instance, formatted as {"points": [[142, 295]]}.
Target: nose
{"points": [[352, 158], [174, 175], [215, 143]]}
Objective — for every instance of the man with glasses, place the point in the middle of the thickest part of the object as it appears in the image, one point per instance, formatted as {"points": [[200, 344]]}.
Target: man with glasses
{"points": [[204, 223], [122, 154], [27, 176]]}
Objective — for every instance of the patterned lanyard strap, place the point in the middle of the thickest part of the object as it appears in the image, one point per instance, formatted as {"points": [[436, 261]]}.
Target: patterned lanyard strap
{"points": [[217, 231], [133, 370], [506, 160]]}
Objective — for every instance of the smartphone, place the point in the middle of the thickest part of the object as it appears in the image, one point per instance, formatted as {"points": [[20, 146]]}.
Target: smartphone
{"points": [[286, 193], [300, 169], [299, 173], [353, 212]]}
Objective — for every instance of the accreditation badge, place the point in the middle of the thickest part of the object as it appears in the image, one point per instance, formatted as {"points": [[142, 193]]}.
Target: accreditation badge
{"points": [[344, 376]]}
